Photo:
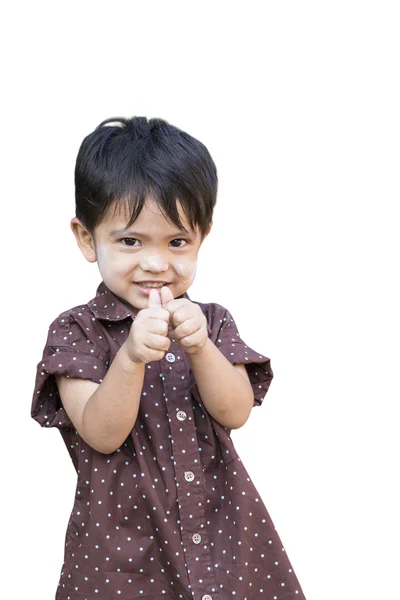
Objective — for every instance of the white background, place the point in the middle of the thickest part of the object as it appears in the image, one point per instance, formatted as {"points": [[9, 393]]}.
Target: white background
{"points": [[298, 103]]}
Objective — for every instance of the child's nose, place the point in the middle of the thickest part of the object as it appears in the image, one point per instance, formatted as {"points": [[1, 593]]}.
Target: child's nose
{"points": [[154, 262]]}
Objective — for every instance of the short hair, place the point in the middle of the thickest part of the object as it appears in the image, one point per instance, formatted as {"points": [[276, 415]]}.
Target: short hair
{"points": [[125, 161]]}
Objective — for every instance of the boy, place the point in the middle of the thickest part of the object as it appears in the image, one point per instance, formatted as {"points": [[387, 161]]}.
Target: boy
{"points": [[145, 386]]}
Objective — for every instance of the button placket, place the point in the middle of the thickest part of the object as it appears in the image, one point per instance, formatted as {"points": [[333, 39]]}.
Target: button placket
{"points": [[191, 500]]}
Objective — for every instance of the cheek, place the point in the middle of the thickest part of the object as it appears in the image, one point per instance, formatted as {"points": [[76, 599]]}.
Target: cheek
{"points": [[186, 269], [106, 261]]}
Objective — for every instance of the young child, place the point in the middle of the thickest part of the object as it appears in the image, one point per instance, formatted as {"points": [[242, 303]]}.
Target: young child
{"points": [[145, 386]]}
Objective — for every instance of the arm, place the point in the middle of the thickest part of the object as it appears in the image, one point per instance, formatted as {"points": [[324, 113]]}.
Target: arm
{"points": [[224, 388], [105, 417]]}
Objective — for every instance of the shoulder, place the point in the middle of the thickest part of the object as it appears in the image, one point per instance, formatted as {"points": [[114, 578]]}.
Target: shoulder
{"points": [[78, 314], [78, 329]]}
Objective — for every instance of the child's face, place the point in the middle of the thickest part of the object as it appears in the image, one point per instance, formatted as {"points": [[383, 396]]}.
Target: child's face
{"points": [[151, 249]]}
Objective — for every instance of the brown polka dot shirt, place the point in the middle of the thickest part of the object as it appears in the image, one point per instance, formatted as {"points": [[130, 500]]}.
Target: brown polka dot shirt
{"points": [[171, 514]]}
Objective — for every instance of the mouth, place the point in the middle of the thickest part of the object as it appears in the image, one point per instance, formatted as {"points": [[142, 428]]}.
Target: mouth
{"points": [[151, 284], [146, 286]]}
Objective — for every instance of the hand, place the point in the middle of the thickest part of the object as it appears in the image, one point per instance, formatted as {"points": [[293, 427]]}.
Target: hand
{"points": [[148, 339], [188, 325]]}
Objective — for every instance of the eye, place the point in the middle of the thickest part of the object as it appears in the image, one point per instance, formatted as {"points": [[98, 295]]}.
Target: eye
{"points": [[133, 245], [179, 240], [130, 239]]}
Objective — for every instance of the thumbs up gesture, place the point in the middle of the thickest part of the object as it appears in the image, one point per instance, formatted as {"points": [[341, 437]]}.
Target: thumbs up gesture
{"points": [[187, 325], [165, 319], [148, 339]]}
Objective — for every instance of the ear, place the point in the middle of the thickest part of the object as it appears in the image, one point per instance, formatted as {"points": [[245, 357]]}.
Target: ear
{"points": [[84, 240], [207, 231]]}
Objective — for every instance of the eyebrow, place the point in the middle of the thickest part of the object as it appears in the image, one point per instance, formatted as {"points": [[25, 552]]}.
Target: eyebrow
{"points": [[117, 232]]}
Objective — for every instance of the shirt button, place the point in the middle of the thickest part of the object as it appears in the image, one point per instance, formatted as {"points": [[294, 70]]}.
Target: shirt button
{"points": [[181, 415], [189, 475], [206, 597], [196, 538], [170, 357]]}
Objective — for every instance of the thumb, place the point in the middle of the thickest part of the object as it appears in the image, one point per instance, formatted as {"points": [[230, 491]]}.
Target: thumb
{"points": [[166, 295], [154, 298]]}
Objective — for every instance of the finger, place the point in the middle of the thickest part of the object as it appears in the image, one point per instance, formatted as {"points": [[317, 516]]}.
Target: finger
{"points": [[158, 326], [188, 327], [181, 314], [178, 309], [154, 298], [166, 295], [194, 338], [158, 312], [157, 342]]}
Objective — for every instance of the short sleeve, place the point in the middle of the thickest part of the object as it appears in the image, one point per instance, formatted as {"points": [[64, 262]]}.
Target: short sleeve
{"points": [[229, 342], [70, 350]]}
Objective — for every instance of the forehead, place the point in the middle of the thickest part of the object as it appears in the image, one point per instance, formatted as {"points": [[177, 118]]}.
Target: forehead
{"points": [[150, 221]]}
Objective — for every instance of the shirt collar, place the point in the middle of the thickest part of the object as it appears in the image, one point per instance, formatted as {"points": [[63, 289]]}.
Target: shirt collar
{"points": [[106, 305]]}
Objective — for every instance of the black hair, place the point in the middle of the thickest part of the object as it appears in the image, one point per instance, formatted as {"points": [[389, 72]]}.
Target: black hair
{"points": [[125, 161]]}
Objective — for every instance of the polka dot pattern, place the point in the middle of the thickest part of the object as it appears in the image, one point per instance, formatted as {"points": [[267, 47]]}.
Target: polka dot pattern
{"points": [[172, 513]]}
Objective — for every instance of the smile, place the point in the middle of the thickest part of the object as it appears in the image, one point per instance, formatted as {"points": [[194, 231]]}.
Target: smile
{"points": [[147, 284]]}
